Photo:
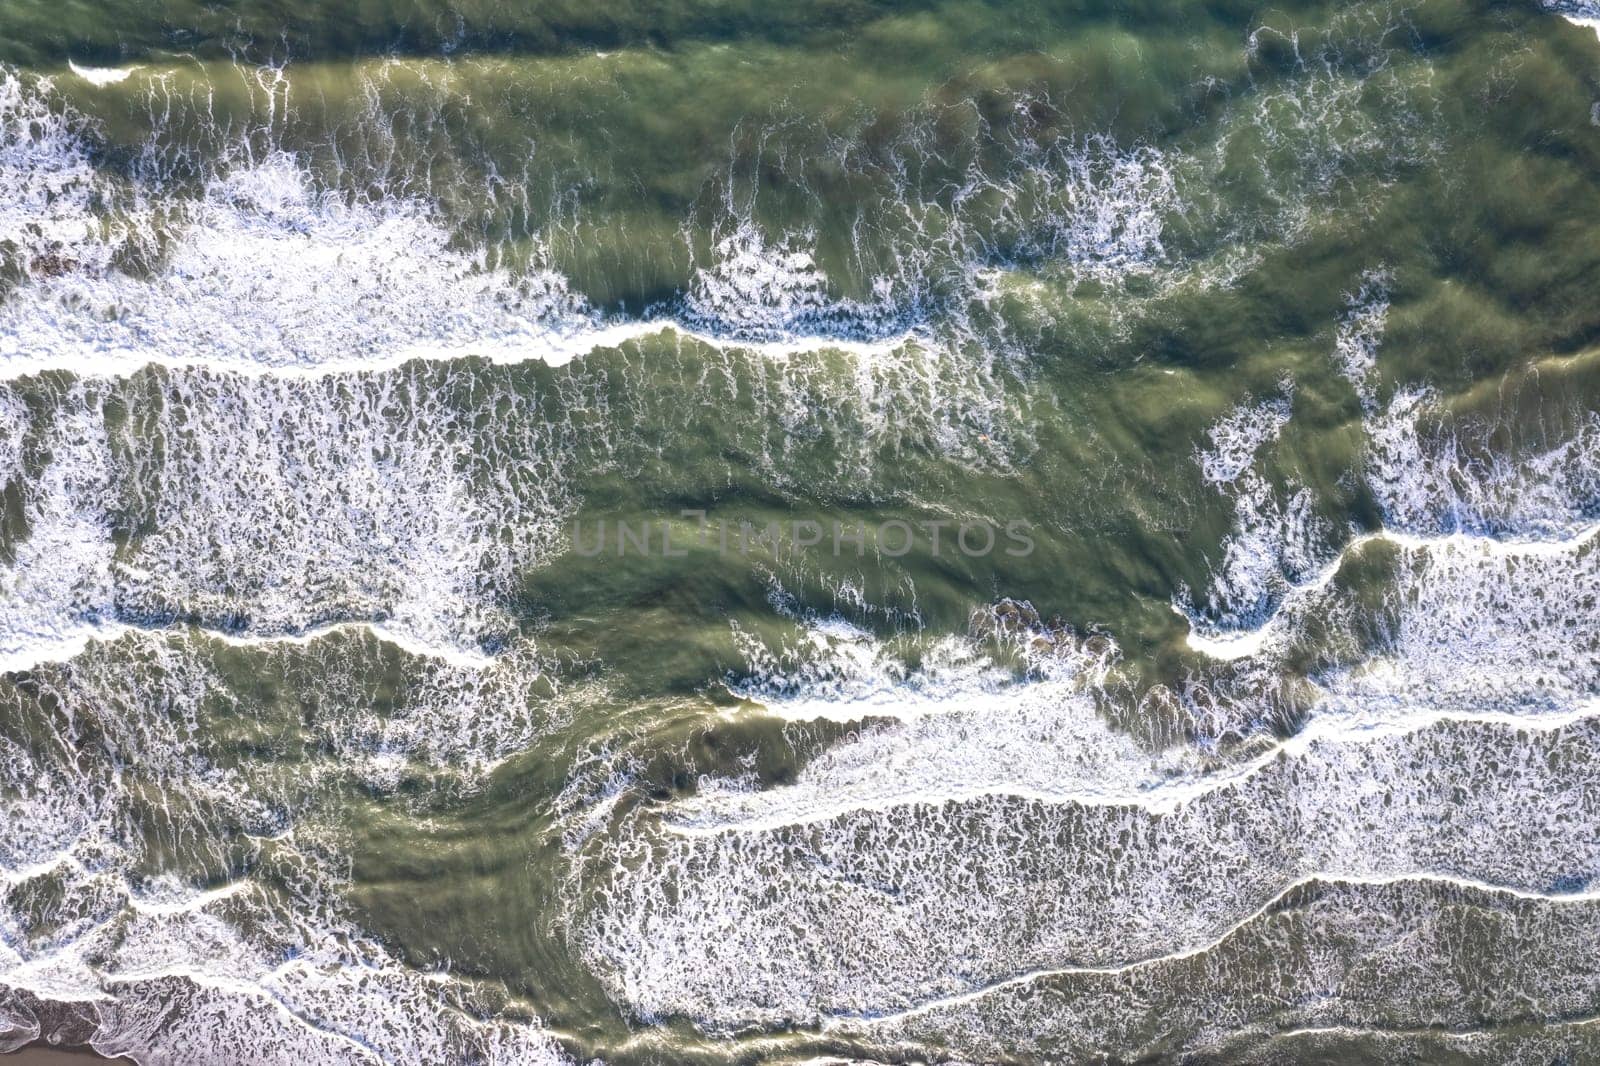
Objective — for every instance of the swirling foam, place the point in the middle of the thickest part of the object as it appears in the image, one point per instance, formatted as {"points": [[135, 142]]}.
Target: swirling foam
{"points": [[271, 506], [196, 886], [990, 829]]}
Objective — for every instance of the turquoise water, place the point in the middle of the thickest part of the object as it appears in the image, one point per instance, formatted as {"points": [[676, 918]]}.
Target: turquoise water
{"points": [[709, 533]]}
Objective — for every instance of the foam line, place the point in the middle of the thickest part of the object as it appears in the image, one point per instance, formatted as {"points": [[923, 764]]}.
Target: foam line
{"points": [[553, 348], [1471, 884], [165, 908], [72, 644], [1462, 1032], [1165, 797], [245, 990], [1239, 644]]}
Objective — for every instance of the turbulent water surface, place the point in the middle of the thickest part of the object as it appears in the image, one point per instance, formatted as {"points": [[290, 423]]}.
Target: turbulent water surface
{"points": [[427, 429]]}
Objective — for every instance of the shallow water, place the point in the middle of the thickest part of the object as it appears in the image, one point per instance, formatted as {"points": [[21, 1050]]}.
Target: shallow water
{"points": [[887, 531]]}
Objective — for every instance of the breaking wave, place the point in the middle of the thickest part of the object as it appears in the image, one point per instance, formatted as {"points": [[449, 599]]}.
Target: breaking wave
{"points": [[986, 852]]}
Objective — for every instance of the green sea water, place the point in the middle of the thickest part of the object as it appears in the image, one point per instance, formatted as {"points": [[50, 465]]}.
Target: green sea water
{"points": [[709, 532]]}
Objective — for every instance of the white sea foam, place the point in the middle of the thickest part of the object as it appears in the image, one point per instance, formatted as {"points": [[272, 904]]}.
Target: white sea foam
{"points": [[59, 586], [1056, 838], [1442, 499], [1042, 738], [1427, 479], [1455, 749], [101, 76], [276, 506], [14, 422], [1360, 332], [927, 257], [1277, 538], [986, 827], [983, 829], [263, 268], [1484, 631], [257, 269], [271, 506], [1486, 627], [755, 292], [836, 670], [1417, 552], [47, 187], [240, 951], [1238, 436], [1430, 954], [1106, 211], [772, 922], [1585, 13], [267, 272], [1043, 735]]}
